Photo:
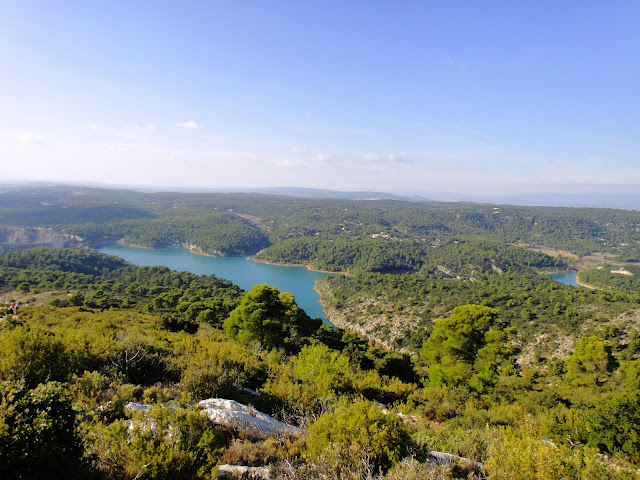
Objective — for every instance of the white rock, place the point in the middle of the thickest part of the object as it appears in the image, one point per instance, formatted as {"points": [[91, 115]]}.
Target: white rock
{"points": [[236, 415], [230, 414], [242, 472]]}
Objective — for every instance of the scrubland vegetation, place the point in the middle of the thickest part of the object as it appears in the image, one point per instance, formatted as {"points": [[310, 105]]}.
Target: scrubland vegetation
{"points": [[68, 371]]}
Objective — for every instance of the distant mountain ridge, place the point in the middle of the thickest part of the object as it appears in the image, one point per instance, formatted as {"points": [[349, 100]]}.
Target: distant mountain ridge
{"points": [[301, 192], [603, 200], [626, 201], [325, 193], [607, 199]]}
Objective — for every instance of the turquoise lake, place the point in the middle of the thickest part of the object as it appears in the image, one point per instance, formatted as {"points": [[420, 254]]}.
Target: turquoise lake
{"points": [[297, 280], [568, 278]]}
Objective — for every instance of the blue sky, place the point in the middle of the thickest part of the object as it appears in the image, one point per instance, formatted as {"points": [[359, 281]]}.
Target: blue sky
{"points": [[470, 97]]}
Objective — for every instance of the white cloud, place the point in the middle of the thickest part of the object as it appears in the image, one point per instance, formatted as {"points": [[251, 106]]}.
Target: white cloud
{"points": [[319, 165], [365, 160], [189, 124], [287, 163], [126, 136], [32, 139], [118, 149], [388, 159]]}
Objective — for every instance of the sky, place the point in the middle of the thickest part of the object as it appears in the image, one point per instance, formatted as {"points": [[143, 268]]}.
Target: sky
{"points": [[491, 97]]}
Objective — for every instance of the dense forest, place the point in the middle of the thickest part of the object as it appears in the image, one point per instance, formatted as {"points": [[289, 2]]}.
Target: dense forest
{"points": [[154, 219], [460, 256], [545, 316], [626, 279], [458, 357]]}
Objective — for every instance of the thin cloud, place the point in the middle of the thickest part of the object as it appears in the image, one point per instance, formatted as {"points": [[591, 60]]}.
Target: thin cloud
{"points": [[352, 162], [384, 160], [461, 67], [189, 124], [287, 163], [389, 159], [330, 129], [32, 139]]}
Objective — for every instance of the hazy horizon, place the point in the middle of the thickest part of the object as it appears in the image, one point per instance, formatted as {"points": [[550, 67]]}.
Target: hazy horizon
{"points": [[607, 196]]}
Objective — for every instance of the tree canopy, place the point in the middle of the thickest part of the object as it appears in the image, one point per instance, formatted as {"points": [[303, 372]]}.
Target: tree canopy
{"points": [[360, 428], [467, 347], [270, 317], [591, 362]]}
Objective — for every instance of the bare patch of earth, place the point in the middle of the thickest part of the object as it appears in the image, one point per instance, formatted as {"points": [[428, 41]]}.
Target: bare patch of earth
{"points": [[28, 299], [251, 219], [552, 252], [550, 348]]}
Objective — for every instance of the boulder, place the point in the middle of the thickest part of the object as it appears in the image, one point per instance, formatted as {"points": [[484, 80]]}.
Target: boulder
{"points": [[241, 417]]}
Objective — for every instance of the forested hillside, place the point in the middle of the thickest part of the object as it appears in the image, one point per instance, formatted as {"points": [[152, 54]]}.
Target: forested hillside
{"points": [[613, 277], [461, 256], [156, 219], [546, 317], [82, 278]]}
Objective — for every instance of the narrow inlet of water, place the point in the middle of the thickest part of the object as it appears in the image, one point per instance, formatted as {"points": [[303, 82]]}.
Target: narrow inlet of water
{"points": [[568, 278], [245, 273]]}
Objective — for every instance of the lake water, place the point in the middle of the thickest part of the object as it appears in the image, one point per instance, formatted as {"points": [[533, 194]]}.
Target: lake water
{"points": [[568, 278], [297, 280]]}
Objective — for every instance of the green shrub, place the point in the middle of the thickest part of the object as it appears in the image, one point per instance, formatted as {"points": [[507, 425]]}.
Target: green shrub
{"points": [[38, 432], [359, 429]]}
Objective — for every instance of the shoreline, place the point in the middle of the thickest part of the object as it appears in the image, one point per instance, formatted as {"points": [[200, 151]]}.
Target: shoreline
{"points": [[325, 308], [252, 258], [125, 244], [195, 249], [557, 272], [585, 285], [327, 320], [577, 272]]}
